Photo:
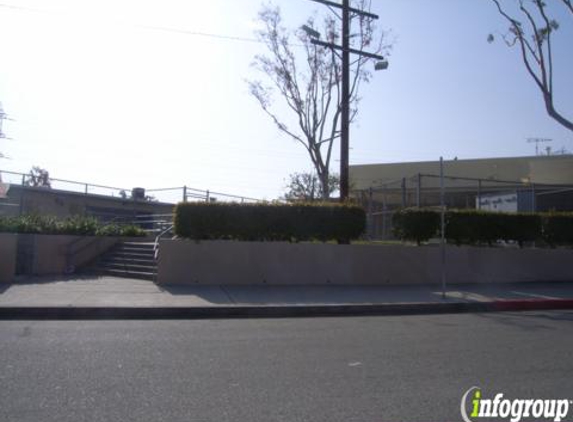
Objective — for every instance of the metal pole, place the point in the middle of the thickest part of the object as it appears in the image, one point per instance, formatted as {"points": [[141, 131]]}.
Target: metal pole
{"points": [[533, 199], [384, 208], [86, 192], [479, 194], [418, 190], [442, 228], [370, 217], [185, 193], [403, 192], [207, 197], [345, 114]]}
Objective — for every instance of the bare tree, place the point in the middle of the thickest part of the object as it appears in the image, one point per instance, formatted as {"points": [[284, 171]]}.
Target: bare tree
{"points": [[534, 39], [307, 187], [310, 82]]}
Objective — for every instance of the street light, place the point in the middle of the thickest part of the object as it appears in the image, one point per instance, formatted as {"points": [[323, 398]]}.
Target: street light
{"points": [[381, 65], [311, 32]]}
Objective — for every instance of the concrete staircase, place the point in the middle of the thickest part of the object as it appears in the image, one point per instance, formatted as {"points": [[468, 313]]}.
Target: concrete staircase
{"points": [[128, 259]]}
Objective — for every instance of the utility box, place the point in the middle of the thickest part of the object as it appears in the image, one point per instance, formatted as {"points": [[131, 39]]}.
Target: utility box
{"points": [[138, 193]]}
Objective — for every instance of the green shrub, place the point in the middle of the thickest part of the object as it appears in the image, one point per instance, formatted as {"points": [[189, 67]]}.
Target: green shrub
{"points": [[521, 227], [8, 225], [471, 227], [558, 228], [269, 222], [131, 231], [417, 225], [76, 225], [36, 224], [108, 230], [468, 226], [81, 226]]}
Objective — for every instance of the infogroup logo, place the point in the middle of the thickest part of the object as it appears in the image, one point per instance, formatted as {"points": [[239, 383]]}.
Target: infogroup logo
{"points": [[513, 409]]}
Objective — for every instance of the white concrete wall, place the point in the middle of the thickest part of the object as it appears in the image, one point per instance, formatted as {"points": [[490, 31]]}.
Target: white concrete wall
{"points": [[228, 262]]}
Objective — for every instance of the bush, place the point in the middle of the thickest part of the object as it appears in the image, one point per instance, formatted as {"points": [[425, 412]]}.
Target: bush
{"points": [[109, 230], [417, 225], [80, 226], [472, 227], [269, 222], [558, 228], [475, 227], [131, 231], [76, 225], [522, 227]]}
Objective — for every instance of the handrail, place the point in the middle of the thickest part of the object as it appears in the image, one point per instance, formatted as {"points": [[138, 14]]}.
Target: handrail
{"points": [[156, 243]]}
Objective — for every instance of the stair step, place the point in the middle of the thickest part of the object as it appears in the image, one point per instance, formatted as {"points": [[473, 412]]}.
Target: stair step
{"points": [[127, 267], [146, 275], [134, 255], [128, 259], [131, 248], [142, 244], [123, 260]]}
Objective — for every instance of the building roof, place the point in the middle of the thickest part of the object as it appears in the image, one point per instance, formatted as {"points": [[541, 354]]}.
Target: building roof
{"points": [[551, 170]]}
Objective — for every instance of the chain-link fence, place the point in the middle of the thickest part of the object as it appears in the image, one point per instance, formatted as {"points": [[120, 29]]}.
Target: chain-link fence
{"points": [[423, 191]]}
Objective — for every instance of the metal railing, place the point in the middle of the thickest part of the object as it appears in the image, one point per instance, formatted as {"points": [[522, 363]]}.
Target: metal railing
{"points": [[186, 193], [167, 195], [23, 179]]}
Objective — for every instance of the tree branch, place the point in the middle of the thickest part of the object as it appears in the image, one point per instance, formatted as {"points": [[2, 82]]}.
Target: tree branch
{"points": [[541, 37]]}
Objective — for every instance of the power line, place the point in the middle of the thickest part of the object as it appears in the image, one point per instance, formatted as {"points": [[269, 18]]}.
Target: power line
{"points": [[150, 27], [199, 33]]}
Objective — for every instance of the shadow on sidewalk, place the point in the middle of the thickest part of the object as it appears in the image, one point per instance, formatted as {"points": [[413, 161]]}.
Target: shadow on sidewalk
{"points": [[528, 321], [213, 294]]}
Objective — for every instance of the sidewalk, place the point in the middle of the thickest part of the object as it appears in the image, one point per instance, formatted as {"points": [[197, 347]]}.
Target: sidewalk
{"points": [[110, 297]]}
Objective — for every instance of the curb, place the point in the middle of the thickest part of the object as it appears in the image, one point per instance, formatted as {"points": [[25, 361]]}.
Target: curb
{"points": [[298, 311]]}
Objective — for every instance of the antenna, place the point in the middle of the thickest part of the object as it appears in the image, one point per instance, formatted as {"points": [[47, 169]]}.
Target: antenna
{"points": [[537, 141]]}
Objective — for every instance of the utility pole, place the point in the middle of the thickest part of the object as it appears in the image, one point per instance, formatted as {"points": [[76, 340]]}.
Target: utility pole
{"points": [[345, 122], [345, 105]]}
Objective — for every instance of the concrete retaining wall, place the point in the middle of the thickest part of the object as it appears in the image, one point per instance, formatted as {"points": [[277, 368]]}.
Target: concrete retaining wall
{"points": [[8, 248], [51, 252], [58, 254], [228, 262]]}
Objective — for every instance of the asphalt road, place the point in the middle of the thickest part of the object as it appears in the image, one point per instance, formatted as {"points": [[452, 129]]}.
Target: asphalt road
{"points": [[409, 368]]}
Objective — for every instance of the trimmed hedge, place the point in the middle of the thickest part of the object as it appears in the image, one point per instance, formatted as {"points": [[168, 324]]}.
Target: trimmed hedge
{"points": [[269, 222], [558, 228], [417, 225], [470, 227], [479, 227], [77, 225]]}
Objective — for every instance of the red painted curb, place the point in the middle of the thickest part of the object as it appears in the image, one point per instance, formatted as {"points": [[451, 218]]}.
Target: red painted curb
{"points": [[532, 304]]}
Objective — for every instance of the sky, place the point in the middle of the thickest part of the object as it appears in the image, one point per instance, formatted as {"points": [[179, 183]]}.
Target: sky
{"points": [[133, 93]]}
